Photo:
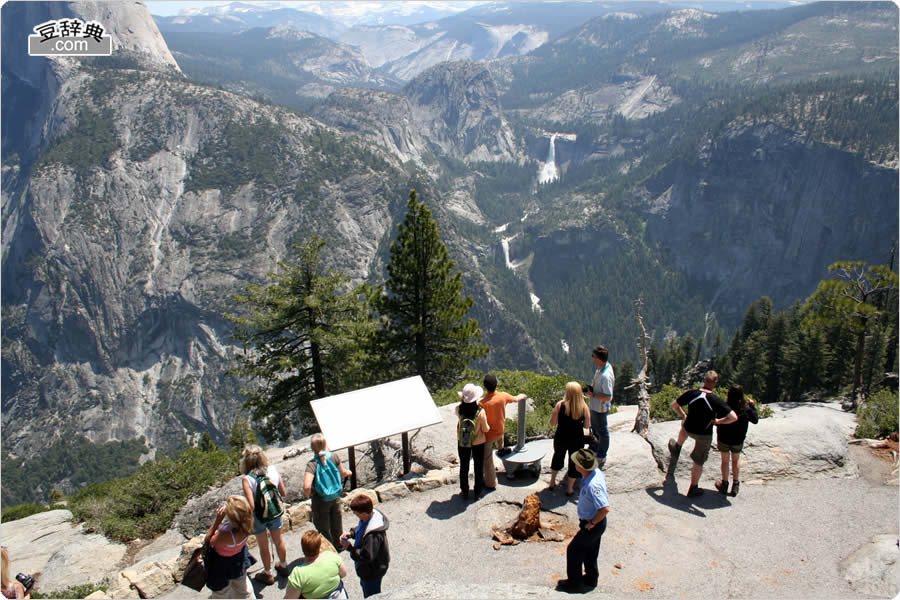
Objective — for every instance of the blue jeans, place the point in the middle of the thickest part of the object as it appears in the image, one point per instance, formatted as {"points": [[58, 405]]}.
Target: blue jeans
{"points": [[583, 551], [601, 430], [370, 587]]}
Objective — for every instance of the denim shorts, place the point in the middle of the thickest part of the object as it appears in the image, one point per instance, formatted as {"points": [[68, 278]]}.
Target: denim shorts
{"points": [[260, 526]]}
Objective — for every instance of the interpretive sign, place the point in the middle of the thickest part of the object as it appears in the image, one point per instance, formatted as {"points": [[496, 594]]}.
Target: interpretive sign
{"points": [[381, 411]]}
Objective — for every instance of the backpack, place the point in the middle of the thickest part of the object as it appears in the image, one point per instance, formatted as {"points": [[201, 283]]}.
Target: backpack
{"points": [[328, 483], [268, 502], [467, 430]]}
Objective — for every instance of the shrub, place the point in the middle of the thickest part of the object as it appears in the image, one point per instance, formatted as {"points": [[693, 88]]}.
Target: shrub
{"points": [[878, 415], [661, 403], [20, 511], [144, 504]]}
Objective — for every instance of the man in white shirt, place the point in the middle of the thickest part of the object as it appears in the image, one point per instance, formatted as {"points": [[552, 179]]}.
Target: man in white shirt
{"points": [[601, 393]]}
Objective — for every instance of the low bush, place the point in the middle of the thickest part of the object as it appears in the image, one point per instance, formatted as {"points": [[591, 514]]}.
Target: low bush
{"points": [[20, 511], [144, 504], [878, 415]]}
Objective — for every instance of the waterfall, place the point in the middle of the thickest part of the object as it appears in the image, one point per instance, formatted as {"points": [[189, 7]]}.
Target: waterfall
{"points": [[549, 171]]}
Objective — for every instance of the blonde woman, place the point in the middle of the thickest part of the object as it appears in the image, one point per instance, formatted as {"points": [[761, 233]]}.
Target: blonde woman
{"points": [[327, 467], [254, 464], [322, 572], [11, 587], [228, 559], [571, 417]]}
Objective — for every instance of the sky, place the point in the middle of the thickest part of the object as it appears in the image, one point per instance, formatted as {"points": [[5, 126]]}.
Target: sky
{"points": [[167, 8]]}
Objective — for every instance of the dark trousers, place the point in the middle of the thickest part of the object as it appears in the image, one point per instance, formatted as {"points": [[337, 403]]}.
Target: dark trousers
{"points": [[327, 518], [370, 587], [601, 430], [582, 552], [475, 453]]}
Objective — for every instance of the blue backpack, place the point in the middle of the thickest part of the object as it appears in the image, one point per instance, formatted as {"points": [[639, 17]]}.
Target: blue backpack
{"points": [[328, 483]]}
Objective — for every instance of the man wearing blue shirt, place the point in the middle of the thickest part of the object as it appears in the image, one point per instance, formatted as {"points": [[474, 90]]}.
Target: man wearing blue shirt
{"points": [[593, 506]]}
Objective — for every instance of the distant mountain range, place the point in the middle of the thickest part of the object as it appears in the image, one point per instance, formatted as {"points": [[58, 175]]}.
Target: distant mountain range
{"points": [[574, 162]]}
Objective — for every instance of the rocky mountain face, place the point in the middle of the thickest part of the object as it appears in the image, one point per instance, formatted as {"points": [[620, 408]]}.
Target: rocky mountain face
{"points": [[450, 110], [288, 66], [765, 208]]}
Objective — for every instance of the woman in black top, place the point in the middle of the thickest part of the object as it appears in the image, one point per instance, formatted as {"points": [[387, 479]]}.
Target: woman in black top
{"points": [[732, 435], [571, 416]]}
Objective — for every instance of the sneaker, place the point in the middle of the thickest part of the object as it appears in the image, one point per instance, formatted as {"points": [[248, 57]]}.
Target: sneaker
{"points": [[722, 486], [601, 464], [282, 570], [735, 487], [694, 491], [569, 587], [264, 578]]}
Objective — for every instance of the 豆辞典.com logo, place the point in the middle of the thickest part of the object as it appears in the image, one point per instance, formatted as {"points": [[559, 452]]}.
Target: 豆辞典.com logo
{"points": [[69, 37]]}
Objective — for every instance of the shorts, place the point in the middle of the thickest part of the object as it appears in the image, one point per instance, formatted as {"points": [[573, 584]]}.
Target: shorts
{"points": [[702, 444], [733, 448], [261, 526]]}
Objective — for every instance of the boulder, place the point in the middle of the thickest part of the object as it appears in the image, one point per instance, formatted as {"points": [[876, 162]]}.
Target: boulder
{"points": [[76, 562], [151, 580], [629, 464], [163, 549], [372, 494], [184, 557], [57, 552], [389, 491], [872, 570], [120, 587], [297, 516]]}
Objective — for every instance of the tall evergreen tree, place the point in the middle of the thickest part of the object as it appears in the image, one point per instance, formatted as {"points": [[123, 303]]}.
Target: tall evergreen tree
{"points": [[426, 331], [854, 298], [303, 339]]}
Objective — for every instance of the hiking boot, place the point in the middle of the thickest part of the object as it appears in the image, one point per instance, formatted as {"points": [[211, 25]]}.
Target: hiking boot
{"points": [[674, 448], [694, 491], [722, 486], [264, 578], [735, 487], [282, 570], [569, 587]]}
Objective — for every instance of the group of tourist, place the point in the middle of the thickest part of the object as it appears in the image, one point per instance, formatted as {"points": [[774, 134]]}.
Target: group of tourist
{"points": [[579, 424], [580, 419], [320, 572]]}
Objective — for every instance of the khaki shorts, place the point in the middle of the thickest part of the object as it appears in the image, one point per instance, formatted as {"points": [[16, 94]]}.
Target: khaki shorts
{"points": [[702, 444], [733, 448]]}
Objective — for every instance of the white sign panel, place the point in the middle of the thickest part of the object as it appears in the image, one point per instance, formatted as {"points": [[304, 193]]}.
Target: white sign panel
{"points": [[376, 412]]}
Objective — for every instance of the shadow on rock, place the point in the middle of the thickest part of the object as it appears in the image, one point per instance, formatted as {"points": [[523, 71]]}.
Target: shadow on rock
{"points": [[447, 509], [668, 494]]}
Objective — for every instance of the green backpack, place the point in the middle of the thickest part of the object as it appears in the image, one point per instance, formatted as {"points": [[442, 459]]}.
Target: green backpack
{"points": [[268, 501]]}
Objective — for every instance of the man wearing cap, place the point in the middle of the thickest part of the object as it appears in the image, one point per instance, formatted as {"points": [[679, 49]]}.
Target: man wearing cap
{"points": [[494, 405], [593, 506], [705, 409]]}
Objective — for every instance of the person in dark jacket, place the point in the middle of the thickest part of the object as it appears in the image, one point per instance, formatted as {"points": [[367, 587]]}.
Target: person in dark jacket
{"points": [[731, 437], [368, 545]]}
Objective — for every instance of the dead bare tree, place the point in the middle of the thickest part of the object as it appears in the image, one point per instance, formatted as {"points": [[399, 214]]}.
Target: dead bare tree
{"points": [[642, 382]]}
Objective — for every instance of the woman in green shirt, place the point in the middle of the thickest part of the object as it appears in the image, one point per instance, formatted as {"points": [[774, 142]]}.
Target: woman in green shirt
{"points": [[320, 575]]}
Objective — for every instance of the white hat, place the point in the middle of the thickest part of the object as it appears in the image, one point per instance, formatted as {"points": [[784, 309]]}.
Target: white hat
{"points": [[470, 393]]}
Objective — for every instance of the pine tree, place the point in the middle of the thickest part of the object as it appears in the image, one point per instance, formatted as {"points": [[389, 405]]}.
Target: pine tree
{"points": [[426, 331], [306, 334], [853, 299]]}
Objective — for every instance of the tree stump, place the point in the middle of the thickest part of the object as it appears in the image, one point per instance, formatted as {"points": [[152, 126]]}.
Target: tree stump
{"points": [[529, 519]]}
